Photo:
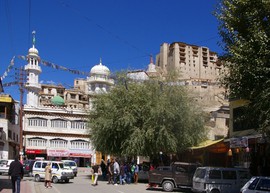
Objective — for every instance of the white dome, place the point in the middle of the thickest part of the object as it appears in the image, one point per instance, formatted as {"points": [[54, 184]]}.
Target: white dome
{"points": [[33, 50], [100, 69]]}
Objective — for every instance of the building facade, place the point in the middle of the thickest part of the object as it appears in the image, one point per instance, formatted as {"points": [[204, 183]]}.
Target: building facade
{"points": [[9, 127], [55, 118], [198, 69]]}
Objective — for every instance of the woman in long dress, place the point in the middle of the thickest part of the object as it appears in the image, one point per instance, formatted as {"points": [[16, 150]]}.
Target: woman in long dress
{"points": [[48, 175]]}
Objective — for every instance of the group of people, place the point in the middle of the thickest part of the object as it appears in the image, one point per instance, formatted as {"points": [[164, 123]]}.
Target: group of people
{"points": [[123, 173]]}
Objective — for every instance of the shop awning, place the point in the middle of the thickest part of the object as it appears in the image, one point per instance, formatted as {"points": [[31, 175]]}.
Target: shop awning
{"points": [[206, 143]]}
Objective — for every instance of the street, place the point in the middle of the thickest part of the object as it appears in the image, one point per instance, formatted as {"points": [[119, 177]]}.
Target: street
{"points": [[80, 184]]}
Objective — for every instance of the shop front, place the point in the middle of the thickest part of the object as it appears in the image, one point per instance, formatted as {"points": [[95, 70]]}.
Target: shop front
{"points": [[35, 154]]}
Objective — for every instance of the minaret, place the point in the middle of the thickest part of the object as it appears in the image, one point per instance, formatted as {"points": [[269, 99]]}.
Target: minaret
{"points": [[33, 70]]}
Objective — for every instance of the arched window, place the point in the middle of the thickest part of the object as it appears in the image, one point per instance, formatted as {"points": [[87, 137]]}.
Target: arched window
{"points": [[79, 144], [59, 123], [58, 142], [37, 122], [37, 142]]}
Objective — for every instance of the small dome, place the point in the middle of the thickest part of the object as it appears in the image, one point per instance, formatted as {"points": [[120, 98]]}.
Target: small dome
{"points": [[33, 50], [57, 100], [100, 69]]}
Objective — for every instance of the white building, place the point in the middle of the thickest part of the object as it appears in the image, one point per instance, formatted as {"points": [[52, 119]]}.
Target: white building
{"points": [[55, 118]]}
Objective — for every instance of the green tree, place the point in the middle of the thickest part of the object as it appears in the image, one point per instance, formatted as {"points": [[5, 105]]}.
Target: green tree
{"points": [[244, 26], [144, 118]]}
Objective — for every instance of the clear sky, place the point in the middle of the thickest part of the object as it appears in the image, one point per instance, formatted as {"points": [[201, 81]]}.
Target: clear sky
{"points": [[76, 33]]}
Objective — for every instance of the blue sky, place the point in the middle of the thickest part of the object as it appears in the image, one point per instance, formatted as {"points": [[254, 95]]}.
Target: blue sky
{"points": [[76, 33]]}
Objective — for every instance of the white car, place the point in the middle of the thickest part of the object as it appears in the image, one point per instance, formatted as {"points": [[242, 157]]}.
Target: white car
{"points": [[72, 165], [257, 184], [59, 172], [4, 166]]}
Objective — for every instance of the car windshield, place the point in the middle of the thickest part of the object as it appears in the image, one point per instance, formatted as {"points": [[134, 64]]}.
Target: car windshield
{"points": [[3, 162], [66, 164], [61, 165]]}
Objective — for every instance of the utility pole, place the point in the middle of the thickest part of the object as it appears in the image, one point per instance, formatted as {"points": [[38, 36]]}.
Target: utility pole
{"points": [[21, 82]]}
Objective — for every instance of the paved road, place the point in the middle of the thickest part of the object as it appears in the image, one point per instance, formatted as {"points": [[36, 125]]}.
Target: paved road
{"points": [[80, 184]]}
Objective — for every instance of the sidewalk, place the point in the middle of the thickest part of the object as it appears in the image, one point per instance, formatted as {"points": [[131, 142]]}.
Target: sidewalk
{"points": [[26, 187]]}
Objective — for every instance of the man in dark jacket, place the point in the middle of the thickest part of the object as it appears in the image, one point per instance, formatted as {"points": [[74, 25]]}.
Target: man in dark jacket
{"points": [[16, 173]]}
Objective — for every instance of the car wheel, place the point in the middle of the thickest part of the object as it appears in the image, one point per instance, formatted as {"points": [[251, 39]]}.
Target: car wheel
{"points": [[37, 178], [67, 181], [168, 186], [214, 191], [54, 179]]}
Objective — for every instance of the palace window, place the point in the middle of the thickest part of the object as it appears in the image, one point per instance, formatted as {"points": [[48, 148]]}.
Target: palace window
{"points": [[80, 144], [58, 143], [78, 124], [60, 123], [37, 142], [37, 122]]}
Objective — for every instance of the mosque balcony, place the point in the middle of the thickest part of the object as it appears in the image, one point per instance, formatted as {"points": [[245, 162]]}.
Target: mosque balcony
{"points": [[32, 85], [30, 67], [100, 80]]}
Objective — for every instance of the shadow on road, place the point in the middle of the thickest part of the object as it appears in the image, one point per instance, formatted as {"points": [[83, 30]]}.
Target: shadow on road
{"points": [[5, 184]]}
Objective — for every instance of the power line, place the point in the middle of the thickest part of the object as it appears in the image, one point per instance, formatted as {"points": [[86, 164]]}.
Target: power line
{"points": [[103, 28]]}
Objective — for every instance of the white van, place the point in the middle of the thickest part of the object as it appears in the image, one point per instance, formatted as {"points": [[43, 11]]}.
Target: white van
{"points": [[59, 172], [72, 165], [4, 166], [219, 180]]}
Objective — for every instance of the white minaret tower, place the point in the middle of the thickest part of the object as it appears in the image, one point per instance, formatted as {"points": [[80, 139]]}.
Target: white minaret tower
{"points": [[33, 70]]}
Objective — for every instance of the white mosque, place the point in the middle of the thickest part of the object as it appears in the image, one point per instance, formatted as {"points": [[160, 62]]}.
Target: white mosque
{"points": [[55, 118]]}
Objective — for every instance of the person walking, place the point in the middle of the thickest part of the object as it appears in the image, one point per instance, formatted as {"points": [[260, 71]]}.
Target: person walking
{"points": [[48, 175], [97, 171], [16, 173]]}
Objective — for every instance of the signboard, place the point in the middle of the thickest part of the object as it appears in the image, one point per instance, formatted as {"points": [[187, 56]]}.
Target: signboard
{"points": [[238, 142], [35, 151], [5, 99], [58, 152], [80, 153]]}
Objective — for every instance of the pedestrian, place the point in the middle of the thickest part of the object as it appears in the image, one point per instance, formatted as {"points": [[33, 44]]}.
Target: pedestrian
{"points": [[122, 177], [103, 166], [136, 171], [116, 170], [110, 172], [16, 173], [128, 173], [48, 175], [97, 171]]}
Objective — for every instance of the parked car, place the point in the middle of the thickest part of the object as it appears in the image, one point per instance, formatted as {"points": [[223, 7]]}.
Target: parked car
{"points": [[219, 179], [143, 173], [178, 175], [28, 167], [4, 166], [59, 172], [257, 184], [72, 165]]}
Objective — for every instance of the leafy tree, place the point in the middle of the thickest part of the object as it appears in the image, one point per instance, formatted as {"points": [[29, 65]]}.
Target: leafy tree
{"points": [[244, 26], [144, 118]]}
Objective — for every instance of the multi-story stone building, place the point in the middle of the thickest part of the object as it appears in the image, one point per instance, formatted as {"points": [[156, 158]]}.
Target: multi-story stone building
{"points": [[198, 69], [55, 118], [9, 127]]}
